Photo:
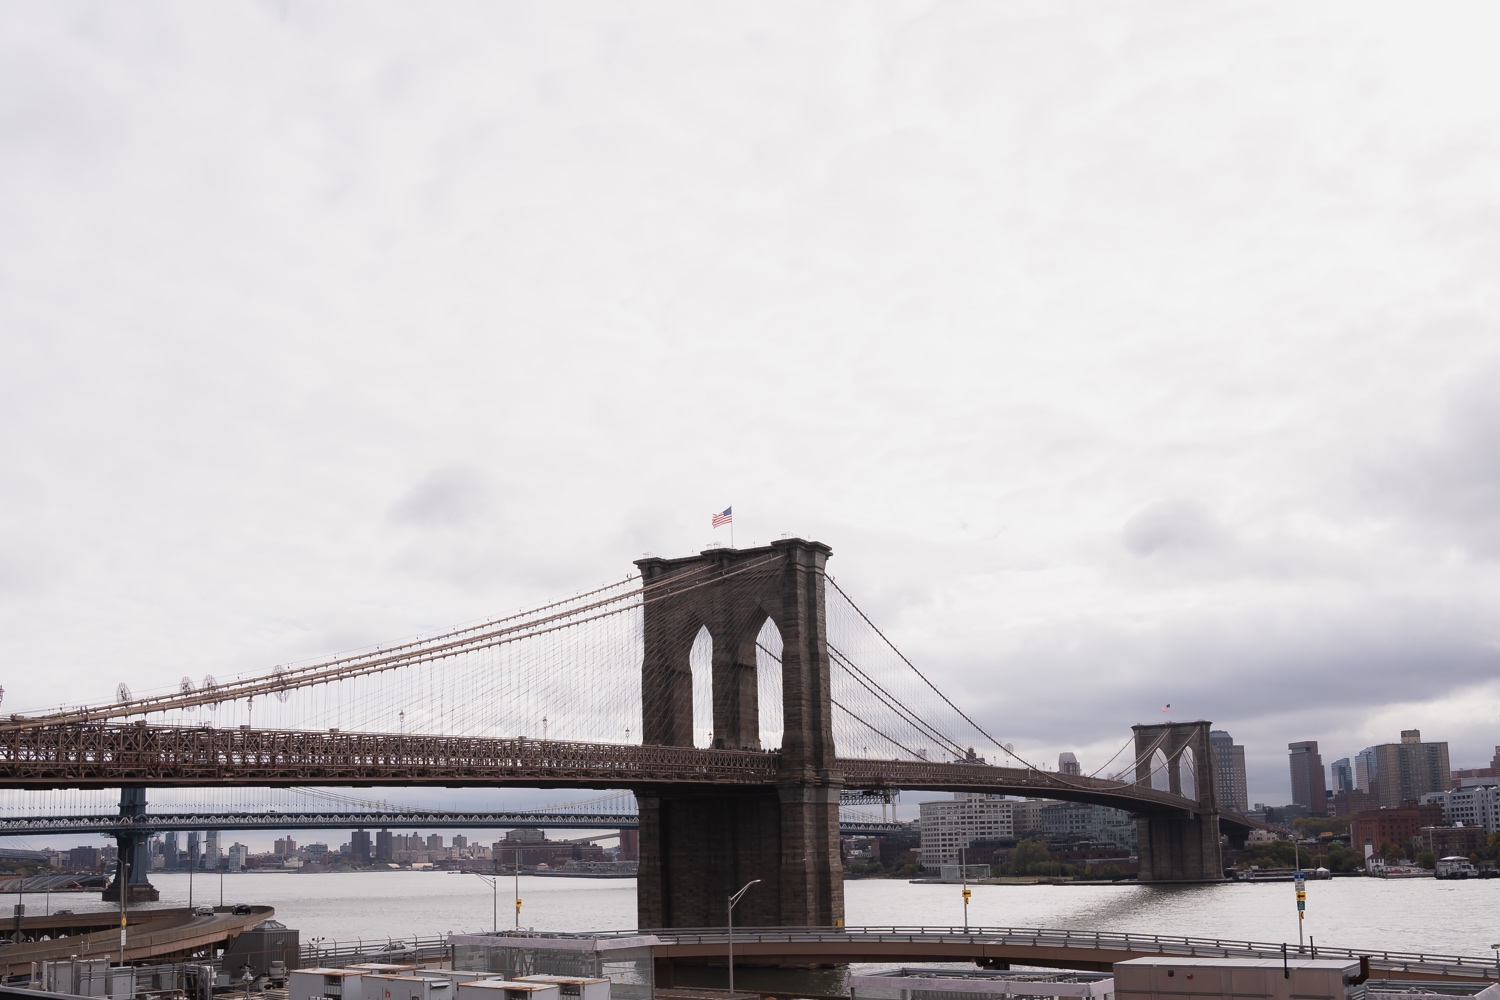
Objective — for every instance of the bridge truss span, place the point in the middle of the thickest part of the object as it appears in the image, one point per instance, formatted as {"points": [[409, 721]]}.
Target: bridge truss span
{"points": [[962, 777], [104, 755]]}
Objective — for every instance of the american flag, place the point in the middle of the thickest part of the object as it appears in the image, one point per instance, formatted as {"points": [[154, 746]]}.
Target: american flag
{"points": [[1167, 707], [726, 517]]}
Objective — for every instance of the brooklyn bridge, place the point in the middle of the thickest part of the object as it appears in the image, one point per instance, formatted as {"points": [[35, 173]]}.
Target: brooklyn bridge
{"points": [[736, 693]]}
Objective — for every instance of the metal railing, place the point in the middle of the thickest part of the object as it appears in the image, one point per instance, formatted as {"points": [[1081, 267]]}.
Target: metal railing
{"points": [[397, 951], [1428, 963]]}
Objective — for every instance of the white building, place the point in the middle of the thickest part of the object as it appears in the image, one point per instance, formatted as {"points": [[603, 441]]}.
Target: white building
{"points": [[238, 854], [1473, 805], [950, 824]]}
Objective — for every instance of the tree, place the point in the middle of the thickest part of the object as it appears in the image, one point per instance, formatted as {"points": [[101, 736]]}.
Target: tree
{"points": [[1426, 859], [1027, 858]]}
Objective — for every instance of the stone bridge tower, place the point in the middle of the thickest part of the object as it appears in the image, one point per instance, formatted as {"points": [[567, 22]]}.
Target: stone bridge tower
{"points": [[697, 847], [1179, 848]]}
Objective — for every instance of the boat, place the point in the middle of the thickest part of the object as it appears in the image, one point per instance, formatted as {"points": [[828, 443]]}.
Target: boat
{"points": [[1399, 871], [1455, 866]]}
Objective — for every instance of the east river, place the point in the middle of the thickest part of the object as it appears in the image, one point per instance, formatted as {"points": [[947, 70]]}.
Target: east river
{"points": [[1398, 915]]}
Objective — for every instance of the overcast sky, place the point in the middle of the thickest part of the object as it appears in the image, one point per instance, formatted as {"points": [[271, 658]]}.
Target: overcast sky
{"points": [[1125, 354]]}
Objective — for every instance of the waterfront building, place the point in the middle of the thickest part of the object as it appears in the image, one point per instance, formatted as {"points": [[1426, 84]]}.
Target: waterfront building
{"points": [[1229, 770], [169, 850], [384, 848], [1471, 805], [1309, 787], [435, 842], [359, 847], [949, 826], [211, 853], [1400, 827], [1408, 770], [286, 845], [1445, 841], [1088, 821], [238, 855]]}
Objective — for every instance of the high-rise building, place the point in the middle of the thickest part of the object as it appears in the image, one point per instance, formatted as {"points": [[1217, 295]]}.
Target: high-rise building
{"points": [[286, 845], [359, 847], [434, 841], [1309, 784], [1365, 778], [1408, 770], [1342, 772], [211, 854], [238, 855], [194, 854], [1068, 764], [1229, 770], [384, 848], [169, 850], [460, 841]]}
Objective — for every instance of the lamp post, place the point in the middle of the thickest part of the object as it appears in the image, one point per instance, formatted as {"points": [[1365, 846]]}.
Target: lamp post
{"points": [[516, 868], [495, 900], [1497, 960], [732, 900], [963, 874]]}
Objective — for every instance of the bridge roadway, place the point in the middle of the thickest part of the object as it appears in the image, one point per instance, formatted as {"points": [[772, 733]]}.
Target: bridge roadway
{"points": [[1002, 947], [151, 823], [150, 935], [105, 755]]}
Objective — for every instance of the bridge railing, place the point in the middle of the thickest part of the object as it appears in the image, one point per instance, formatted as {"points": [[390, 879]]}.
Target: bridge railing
{"points": [[395, 950], [1152, 944]]}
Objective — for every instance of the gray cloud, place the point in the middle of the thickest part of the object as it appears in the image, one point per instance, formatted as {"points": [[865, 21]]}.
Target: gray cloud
{"points": [[1123, 356]]}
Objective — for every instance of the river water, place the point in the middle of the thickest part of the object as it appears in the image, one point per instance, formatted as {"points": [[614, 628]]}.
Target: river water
{"points": [[1398, 915]]}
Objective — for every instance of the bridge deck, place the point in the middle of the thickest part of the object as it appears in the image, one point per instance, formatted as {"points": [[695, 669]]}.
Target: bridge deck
{"points": [[150, 934], [97, 755], [1048, 948]]}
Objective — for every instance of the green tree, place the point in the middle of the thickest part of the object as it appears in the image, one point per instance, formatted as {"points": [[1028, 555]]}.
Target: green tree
{"points": [[1426, 859], [1026, 858]]}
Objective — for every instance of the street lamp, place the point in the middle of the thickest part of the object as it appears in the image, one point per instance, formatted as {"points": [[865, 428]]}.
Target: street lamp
{"points": [[1497, 959], [732, 900], [963, 874], [495, 902]]}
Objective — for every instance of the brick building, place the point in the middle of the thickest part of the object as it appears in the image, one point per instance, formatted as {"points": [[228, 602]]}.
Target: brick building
{"points": [[1399, 827]]}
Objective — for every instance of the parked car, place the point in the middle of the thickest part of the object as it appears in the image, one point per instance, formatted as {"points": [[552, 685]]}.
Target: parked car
{"points": [[397, 949]]}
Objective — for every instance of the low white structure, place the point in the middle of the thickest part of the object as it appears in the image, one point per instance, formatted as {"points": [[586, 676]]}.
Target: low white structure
{"points": [[406, 986], [943, 984], [325, 984], [505, 989], [1174, 978], [573, 987]]}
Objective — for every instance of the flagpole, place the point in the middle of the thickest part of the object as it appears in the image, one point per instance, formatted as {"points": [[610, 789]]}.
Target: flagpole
{"points": [[731, 526]]}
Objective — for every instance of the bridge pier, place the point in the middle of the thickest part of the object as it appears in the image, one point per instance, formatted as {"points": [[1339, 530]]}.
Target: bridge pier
{"points": [[1179, 848], [134, 852], [698, 847]]}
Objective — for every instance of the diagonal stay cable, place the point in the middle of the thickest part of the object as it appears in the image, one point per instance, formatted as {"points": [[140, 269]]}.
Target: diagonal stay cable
{"points": [[938, 691], [892, 702]]}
